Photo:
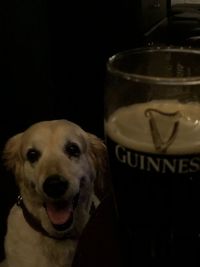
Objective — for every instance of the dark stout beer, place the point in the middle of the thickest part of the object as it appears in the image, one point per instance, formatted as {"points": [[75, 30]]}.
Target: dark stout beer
{"points": [[154, 153]]}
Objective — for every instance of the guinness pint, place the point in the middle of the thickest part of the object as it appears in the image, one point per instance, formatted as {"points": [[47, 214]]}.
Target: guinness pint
{"points": [[153, 140]]}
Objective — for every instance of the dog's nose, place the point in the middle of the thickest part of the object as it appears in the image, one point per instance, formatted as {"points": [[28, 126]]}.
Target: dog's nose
{"points": [[55, 186]]}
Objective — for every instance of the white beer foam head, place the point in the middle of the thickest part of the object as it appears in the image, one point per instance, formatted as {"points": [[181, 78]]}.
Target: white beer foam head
{"points": [[130, 126]]}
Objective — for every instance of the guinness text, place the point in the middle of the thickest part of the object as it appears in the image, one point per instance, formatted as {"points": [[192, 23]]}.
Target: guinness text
{"points": [[156, 163]]}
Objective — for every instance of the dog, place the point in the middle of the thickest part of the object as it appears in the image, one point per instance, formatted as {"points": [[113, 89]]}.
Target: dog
{"points": [[57, 166]]}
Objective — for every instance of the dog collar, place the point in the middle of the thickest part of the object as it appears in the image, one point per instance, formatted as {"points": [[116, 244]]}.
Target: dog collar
{"points": [[35, 223]]}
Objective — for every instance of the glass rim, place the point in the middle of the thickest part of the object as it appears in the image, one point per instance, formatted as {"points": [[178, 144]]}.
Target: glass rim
{"points": [[193, 80]]}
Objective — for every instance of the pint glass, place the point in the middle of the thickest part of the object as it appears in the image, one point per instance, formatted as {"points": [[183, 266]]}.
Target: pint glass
{"points": [[152, 130]]}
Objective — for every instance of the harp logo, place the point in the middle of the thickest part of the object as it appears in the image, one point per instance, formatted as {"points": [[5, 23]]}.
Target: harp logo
{"points": [[164, 127]]}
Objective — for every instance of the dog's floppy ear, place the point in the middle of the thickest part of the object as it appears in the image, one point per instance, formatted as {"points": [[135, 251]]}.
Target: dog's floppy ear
{"points": [[99, 156], [11, 153]]}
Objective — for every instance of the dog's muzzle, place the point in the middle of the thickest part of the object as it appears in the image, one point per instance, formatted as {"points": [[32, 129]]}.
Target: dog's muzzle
{"points": [[59, 210]]}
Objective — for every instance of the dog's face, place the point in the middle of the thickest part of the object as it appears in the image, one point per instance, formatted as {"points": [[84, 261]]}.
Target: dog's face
{"points": [[56, 164]]}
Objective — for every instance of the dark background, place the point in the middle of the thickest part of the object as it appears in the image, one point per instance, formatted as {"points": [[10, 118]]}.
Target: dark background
{"points": [[52, 63]]}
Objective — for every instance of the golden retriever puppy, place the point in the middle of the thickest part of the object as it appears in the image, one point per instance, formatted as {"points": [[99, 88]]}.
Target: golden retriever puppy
{"points": [[56, 164]]}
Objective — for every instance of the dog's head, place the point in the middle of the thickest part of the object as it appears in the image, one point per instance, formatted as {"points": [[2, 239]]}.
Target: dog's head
{"points": [[56, 164]]}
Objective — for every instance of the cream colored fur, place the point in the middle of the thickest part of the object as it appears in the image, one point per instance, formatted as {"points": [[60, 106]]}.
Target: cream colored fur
{"points": [[24, 246]]}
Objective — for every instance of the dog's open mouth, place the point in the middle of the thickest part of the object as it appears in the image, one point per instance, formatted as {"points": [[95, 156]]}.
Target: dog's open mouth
{"points": [[61, 213]]}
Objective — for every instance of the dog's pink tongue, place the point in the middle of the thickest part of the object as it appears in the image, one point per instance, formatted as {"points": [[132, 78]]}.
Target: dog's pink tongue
{"points": [[58, 215]]}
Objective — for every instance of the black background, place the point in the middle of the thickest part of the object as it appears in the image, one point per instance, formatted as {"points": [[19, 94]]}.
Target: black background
{"points": [[52, 65]]}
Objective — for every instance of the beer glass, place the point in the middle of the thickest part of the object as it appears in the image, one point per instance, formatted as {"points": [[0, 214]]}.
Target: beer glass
{"points": [[152, 131]]}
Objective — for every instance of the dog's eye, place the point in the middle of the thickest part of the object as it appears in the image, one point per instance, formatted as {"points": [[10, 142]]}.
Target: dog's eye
{"points": [[72, 150], [33, 155]]}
